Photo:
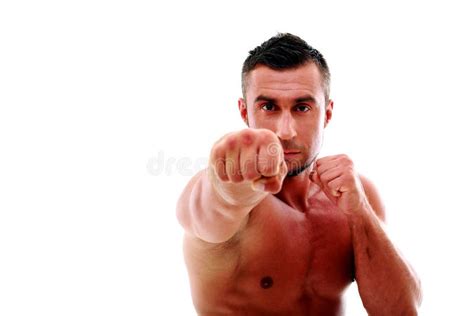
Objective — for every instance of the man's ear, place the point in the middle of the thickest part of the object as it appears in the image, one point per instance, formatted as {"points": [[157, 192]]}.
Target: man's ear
{"points": [[243, 111], [328, 112]]}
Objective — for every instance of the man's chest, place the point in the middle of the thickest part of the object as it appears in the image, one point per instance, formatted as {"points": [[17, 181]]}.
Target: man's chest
{"points": [[287, 255]]}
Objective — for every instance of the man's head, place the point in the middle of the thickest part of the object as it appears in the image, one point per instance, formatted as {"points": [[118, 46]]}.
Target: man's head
{"points": [[285, 85], [285, 51]]}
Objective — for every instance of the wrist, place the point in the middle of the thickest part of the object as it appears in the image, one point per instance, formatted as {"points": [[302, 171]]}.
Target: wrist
{"points": [[234, 195], [360, 214]]}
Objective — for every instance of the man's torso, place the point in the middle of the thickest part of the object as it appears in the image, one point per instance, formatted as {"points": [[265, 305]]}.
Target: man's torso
{"points": [[282, 262]]}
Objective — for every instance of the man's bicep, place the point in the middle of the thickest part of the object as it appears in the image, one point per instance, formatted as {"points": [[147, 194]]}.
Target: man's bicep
{"points": [[373, 197]]}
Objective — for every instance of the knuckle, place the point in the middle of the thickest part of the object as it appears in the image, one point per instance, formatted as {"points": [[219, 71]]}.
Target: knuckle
{"points": [[247, 137], [231, 142], [267, 135], [345, 158], [216, 150], [273, 149]]}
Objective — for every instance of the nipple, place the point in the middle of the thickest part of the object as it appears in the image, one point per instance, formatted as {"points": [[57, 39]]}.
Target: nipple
{"points": [[266, 282]]}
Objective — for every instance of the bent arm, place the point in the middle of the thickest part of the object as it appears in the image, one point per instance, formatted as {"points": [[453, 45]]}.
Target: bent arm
{"points": [[205, 212], [387, 284]]}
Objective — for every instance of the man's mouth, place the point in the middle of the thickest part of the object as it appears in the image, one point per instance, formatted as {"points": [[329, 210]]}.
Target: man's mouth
{"points": [[290, 154]]}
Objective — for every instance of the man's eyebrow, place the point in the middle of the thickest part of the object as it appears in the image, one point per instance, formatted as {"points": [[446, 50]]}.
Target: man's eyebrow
{"points": [[264, 98], [306, 99]]}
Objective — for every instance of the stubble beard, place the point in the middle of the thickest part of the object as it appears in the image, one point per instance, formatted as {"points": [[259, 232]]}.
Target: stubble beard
{"points": [[299, 169]]}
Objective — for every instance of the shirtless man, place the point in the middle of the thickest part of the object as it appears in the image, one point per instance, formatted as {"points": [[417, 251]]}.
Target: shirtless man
{"points": [[271, 229]]}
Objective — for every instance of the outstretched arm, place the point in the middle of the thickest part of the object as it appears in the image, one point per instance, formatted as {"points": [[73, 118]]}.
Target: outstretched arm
{"points": [[243, 168], [387, 284]]}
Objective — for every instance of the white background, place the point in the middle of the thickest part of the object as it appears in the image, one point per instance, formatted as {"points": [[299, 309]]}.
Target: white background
{"points": [[108, 108]]}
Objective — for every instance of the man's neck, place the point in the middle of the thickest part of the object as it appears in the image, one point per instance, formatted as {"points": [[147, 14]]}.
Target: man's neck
{"points": [[297, 190]]}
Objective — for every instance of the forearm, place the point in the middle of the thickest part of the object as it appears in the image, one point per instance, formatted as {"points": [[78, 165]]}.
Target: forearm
{"points": [[387, 284], [204, 209]]}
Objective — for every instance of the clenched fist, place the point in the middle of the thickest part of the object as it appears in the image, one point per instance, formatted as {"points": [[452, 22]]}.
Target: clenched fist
{"points": [[336, 176], [246, 162]]}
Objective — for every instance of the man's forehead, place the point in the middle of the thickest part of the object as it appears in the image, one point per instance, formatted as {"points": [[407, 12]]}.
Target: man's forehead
{"points": [[306, 77]]}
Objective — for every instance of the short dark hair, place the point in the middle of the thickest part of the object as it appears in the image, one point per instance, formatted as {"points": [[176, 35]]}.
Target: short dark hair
{"points": [[286, 51]]}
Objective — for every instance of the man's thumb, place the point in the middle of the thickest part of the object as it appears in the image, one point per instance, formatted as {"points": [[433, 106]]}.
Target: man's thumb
{"points": [[259, 184], [270, 184], [313, 176]]}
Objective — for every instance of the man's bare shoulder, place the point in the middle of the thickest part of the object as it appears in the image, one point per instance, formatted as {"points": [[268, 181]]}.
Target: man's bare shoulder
{"points": [[373, 197]]}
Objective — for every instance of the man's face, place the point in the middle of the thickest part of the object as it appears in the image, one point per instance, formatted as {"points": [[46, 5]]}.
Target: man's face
{"points": [[290, 103]]}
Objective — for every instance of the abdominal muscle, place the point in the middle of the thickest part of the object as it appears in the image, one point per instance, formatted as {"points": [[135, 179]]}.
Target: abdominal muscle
{"points": [[282, 262]]}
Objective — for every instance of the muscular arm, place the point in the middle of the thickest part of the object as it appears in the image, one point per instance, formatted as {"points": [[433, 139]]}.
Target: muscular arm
{"points": [[387, 284], [205, 214], [244, 167]]}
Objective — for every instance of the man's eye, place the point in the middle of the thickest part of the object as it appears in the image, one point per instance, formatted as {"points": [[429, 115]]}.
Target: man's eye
{"points": [[302, 108], [268, 107]]}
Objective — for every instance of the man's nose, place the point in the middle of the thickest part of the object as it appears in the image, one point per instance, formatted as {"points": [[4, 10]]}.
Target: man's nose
{"points": [[286, 127]]}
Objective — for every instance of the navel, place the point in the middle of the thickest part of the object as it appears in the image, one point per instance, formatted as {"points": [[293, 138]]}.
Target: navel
{"points": [[266, 282]]}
